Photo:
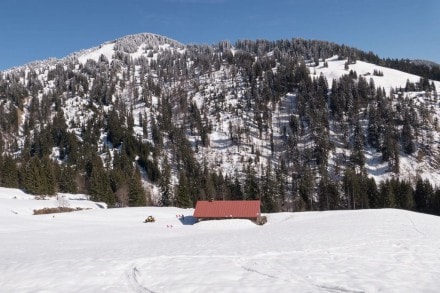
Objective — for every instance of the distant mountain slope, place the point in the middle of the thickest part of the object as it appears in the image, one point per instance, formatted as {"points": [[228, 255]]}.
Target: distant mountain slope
{"points": [[427, 63], [298, 124]]}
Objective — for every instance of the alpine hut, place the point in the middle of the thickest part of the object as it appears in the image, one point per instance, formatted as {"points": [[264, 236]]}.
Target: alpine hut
{"points": [[228, 209]]}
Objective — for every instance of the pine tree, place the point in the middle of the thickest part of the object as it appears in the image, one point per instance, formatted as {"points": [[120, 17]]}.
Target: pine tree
{"points": [[236, 192], [207, 185], [32, 174], [66, 179], [373, 127], [48, 176], [8, 172], [306, 186], [351, 184], [183, 196], [165, 184], [422, 193], [136, 192], [268, 201], [358, 150], [434, 203], [386, 195], [251, 186], [372, 193], [328, 194], [404, 195], [100, 188], [280, 183], [1, 144], [407, 136]]}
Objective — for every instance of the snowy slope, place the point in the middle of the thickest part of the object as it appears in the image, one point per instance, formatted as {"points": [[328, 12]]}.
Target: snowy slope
{"points": [[234, 140], [107, 50], [104, 250], [391, 78]]}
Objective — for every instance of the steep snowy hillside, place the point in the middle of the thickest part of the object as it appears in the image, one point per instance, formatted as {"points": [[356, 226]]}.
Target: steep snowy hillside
{"points": [[302, 125], [112, 250]]}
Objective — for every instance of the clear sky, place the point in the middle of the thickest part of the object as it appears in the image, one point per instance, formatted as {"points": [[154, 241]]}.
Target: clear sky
{"points": [[38, 29]]}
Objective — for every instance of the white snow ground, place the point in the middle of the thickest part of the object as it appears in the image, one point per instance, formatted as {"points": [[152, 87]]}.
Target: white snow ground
{"points": [[112, 250]]}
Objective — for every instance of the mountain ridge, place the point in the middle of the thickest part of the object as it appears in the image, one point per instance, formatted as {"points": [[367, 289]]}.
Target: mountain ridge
{"points": [[135, 38], [150, 39]]}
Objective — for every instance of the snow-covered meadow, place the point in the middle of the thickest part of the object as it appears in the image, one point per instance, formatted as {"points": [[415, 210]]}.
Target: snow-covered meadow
{"points": [[112, 250]]}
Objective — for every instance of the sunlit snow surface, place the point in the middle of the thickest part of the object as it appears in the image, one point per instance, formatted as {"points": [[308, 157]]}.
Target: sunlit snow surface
{"points": [[112, 250], [391, 78]]}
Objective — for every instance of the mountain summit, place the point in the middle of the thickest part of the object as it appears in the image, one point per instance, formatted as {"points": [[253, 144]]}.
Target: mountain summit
{"points": [[131, 44]]}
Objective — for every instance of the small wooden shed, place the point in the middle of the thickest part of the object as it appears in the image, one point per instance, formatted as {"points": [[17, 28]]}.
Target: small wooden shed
{"points": [[227, 209]]}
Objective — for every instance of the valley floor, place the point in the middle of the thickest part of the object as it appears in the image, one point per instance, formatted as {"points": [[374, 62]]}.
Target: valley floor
{"points": [[112, 250]]}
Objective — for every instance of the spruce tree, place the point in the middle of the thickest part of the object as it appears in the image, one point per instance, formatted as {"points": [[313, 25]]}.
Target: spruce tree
{"points": [[387, 195], [236, 192], [136, 192], [372, 193], [165, 184], [66, 179], [351, 184], [99, 188], [183, 196], [8, 172], [1, 144], [422, 193], [374, 123], [48, 176], [251, 186], [33, 177], [306, 186], [280, 183], [407, 136], [404, 195], [358, 149], [434, 203], [268, 202], [328, 194]]}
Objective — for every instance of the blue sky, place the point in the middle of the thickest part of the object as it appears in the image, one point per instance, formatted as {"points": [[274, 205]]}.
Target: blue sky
{"points": [[35, 30]]}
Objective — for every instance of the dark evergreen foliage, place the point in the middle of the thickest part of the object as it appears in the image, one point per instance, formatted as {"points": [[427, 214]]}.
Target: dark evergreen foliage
{"points": [[109, 151]]}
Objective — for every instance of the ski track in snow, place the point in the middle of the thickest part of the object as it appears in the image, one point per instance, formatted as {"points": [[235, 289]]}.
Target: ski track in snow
{"points": [[415, 227], [338, 289], [132, 275]]}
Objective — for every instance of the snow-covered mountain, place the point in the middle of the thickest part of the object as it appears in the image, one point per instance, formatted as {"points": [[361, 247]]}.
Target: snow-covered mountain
{"points": [[223, 119], [112, 250]]}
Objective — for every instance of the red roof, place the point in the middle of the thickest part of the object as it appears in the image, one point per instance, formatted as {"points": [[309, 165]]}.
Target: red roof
{"points": [[247, 209]]}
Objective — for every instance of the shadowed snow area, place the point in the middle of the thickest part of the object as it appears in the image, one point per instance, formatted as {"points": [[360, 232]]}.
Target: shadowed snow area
{"points": [[112, 250]]}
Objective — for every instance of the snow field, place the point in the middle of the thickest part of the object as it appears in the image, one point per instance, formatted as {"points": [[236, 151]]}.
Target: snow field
{"points": [[112, 250]]}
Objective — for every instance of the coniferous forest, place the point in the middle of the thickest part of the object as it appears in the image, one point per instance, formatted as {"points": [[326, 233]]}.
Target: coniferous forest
{"points": [[155, 122]]}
